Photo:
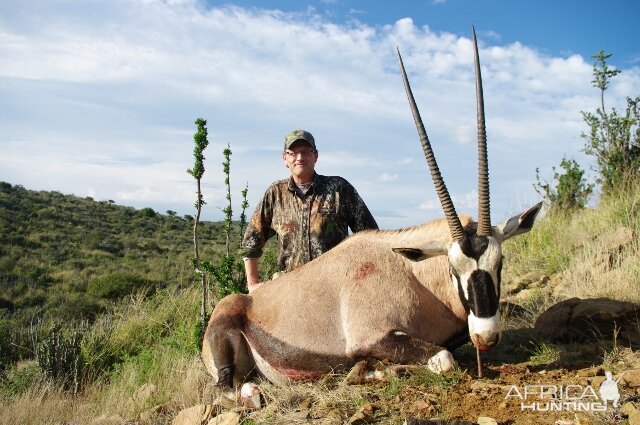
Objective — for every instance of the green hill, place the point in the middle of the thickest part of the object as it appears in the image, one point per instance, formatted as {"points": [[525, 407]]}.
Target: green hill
{"points": [[67, 261], [71, 256]]}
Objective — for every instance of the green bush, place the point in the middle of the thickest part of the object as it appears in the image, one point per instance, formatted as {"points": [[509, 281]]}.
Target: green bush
{"points": [[19, 378], [74, 306], [147, 212], [613, 138], [58, 356], [118, 284], [568, 191]]}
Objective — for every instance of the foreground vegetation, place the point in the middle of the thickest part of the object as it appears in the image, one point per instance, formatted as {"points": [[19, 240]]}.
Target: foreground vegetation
{"points": [[89, 289], [118, 280]]}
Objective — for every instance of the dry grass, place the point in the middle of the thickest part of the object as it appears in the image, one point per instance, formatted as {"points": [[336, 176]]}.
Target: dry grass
{"points": [[579, 253], [180, 383]]}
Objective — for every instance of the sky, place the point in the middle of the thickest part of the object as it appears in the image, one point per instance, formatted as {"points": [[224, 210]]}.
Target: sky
{"points": [[99, 98]]}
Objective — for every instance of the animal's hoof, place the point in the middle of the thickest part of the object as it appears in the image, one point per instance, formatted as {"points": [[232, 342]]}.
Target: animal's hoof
{"points": [[225, 378], [441, 362], [250, 395]]}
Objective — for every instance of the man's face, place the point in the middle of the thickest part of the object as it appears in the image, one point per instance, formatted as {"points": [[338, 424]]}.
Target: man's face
{"points": [[300, 159]]}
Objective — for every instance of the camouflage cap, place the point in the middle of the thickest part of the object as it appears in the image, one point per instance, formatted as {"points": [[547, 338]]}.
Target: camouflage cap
{"points": [[296, 135]]}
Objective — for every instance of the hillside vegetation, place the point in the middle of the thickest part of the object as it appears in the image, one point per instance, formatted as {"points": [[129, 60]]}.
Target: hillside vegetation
{"points": [[113, 288], [71, 268]]}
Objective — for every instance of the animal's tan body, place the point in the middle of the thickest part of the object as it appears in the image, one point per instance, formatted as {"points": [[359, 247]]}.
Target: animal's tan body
{"points": [[337, 308]]}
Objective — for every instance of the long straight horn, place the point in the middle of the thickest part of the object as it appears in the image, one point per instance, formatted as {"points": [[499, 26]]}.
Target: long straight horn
{"points": [[484, 214], [455, 227]]}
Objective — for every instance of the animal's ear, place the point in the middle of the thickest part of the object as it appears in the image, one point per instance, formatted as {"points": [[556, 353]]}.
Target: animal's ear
{"points": [[419, 253], [517, 224]]}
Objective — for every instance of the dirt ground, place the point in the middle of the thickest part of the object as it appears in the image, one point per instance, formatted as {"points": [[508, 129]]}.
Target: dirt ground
{"points": [[515, 374]]}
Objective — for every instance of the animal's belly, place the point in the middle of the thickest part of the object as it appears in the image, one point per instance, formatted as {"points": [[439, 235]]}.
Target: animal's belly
{"points": [[281, 374], [280, 359]]}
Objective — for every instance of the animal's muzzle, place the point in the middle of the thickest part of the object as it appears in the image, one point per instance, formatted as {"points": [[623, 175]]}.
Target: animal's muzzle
{"points": [[484, 332], [485, 340]]}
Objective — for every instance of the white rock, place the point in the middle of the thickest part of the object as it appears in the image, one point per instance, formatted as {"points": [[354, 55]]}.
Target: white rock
{"points": [[441, 362], [250, 395]]}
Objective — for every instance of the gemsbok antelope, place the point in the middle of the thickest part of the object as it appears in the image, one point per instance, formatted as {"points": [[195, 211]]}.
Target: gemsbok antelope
{"points": [[403, 295]]}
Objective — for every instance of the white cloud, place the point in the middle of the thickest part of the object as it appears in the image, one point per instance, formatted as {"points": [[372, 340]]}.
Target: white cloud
{"points": [[387, 177], [100, 99]]}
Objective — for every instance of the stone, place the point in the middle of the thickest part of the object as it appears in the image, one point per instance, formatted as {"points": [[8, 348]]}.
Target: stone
{"points": [[631, 378], [575, 319], [414, 421], [527, 294], [512, 310], [109, 420], [590, 372], [483, 386], [195, 415], [357, 374], [226, 418], [363, 416], [582, 418], [143, 393], [333, 417], [531, 278], [485, 420], [629, 409], [596, 381], [149, 415], [612, 245]]}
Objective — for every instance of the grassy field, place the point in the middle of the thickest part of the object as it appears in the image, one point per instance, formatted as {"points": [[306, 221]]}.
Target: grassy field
{"points": [[138, 351]]}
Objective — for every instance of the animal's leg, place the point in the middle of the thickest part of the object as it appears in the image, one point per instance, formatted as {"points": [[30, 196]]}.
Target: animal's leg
{"points": [[401, 348], [223, 346]]}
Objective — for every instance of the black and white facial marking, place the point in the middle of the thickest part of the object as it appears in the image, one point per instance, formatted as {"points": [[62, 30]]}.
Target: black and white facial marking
{"points": [[476, 264]]}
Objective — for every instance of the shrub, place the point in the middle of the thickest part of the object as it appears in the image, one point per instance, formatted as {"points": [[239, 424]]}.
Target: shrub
{"points": [[118, 284], [568, 191], [147, 212], [613, 138], [58, 355]]}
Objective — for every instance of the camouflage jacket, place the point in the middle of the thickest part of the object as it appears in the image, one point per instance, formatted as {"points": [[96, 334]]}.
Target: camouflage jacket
{"points": [[306, 225]]}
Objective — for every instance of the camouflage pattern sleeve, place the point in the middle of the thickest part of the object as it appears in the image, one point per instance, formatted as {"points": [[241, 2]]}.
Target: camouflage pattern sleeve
{"points": [[359, 217], [259, 227]]}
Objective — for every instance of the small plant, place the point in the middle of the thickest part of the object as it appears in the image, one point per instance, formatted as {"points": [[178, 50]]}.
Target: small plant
{"points": [[229, 275], [567, 191], [613, 138], [118, 284], [543, 354], [201, 142], [448, 380], [58, 356]]}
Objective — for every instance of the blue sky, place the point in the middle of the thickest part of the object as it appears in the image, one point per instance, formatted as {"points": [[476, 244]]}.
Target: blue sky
{"points": [[552, 27], [98, 98]]}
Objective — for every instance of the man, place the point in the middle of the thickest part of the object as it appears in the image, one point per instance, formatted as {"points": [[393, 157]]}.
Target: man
{"points": [[310, 213]]}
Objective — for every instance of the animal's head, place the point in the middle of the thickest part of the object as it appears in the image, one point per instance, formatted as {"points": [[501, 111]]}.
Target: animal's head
{"points": [[475, 256]]}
